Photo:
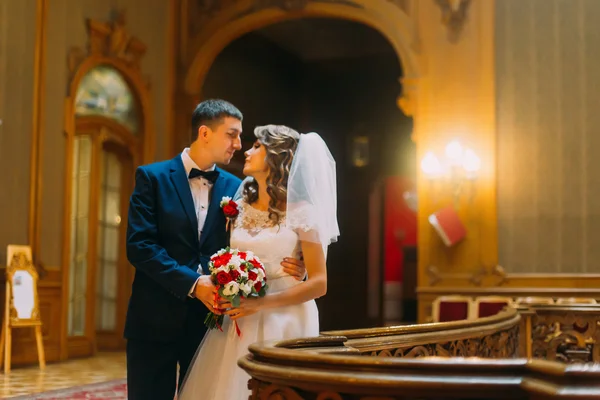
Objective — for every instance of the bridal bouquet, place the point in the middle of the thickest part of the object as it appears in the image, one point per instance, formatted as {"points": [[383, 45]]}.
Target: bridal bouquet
{"points": [[236, 274]]}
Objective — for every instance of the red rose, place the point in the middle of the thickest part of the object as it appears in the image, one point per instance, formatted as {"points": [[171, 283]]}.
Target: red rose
{"points": [[257, 286], [231, 209], [252, 275], [234, 274], [222, 260], [243, 267], [256, 264], [223, 278], [218, 262], [242, 255]]}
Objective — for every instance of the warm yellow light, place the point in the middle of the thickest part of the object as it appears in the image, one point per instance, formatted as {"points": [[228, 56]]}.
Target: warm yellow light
{"points": [[431, 166], [471, 162], [454, 152]]}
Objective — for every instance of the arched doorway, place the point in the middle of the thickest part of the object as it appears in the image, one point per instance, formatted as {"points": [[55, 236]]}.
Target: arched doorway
{"points": [[108, 133], [306, 73]]}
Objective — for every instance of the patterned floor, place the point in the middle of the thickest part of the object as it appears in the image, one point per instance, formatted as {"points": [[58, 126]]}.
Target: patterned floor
{"points": [[112, 390], [101, 368]]}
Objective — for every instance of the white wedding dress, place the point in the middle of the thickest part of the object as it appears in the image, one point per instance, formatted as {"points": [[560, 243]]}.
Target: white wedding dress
{"points": [[215, 374]]}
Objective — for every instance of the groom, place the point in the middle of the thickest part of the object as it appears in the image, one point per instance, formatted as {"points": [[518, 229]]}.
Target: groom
{"points": [[175, 223]]}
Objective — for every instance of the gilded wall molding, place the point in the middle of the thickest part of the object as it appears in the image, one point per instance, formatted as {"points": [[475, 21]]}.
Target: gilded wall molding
{"points": [[407, 101], [37, 134], [201, 10], [476, 277], [112, 40], [454, 16]]}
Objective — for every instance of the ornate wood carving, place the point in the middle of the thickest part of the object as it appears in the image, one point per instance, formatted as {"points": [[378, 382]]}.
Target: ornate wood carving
{"points": [[402, 4], [408, 100], [287, 5], [268, 391], [503, 344], [569, 337], [454, 15], [501, 274], [20, 261], [109, 39], [475, 278], [433, 273], [201, 10]]}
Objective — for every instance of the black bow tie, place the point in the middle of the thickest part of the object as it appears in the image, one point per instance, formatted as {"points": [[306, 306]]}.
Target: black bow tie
{"points": [[208, 175]]}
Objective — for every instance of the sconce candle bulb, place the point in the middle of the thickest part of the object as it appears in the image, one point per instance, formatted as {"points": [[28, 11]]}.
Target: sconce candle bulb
{"points": [[459, 166], [454, 152], [431, 165], [471, 163]]}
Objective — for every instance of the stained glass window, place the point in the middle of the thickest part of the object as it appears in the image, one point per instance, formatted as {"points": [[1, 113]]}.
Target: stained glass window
{"points": [[104, 92]]}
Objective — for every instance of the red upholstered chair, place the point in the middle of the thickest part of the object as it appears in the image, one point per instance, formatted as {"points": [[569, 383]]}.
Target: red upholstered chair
{"points": [[451, 308], [487, 306]]}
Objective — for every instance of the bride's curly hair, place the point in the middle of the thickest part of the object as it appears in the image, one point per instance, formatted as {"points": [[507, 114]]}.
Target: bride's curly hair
{"points": [[280, 143]]}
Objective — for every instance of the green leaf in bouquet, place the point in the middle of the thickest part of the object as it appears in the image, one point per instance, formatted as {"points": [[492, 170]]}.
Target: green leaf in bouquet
{"points": [[213, 321], [263, 291], [235, 301]]}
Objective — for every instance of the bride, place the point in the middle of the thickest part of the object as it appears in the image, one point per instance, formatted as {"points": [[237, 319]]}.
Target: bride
{"points": [[287, 207]]}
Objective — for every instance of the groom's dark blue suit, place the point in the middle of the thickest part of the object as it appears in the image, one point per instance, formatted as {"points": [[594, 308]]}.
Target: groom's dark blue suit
{"points": [[164, 325]]}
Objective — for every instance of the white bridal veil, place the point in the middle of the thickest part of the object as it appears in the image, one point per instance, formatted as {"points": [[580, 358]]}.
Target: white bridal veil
{"points": [[312, 192]]}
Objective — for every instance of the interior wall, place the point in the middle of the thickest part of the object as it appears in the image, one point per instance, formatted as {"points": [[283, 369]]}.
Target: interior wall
{"points": [[548, 91], [17, 51]]}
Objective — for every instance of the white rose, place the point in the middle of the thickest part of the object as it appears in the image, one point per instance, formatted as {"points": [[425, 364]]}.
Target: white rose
{"points": [[249, 255], [225, 200], [221, 252], [246, 288], [260, 273], [235, 261], [232, 288]]}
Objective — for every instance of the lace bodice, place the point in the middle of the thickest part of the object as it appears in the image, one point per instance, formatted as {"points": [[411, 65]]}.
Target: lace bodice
{"points": [[254, 231]]}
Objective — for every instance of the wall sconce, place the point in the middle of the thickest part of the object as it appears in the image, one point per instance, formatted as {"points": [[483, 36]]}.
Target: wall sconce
{"points": [[359, 151], [459, 165]]}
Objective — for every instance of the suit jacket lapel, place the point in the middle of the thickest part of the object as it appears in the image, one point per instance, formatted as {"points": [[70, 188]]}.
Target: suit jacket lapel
{"points": [[214, 208], [180, 181]]}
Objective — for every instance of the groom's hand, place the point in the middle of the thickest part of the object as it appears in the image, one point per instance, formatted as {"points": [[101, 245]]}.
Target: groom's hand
{"points": [[205, 292], [294, 267]]}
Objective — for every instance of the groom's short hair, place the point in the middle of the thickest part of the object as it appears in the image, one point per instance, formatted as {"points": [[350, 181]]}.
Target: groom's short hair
{"points": [[211, 113]]}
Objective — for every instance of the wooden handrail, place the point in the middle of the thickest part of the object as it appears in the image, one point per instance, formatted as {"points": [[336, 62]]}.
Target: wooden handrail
{"points": [[376, 364]]}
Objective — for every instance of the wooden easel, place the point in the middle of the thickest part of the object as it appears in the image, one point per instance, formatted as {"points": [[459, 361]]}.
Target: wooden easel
{"points": [[21, 308]]}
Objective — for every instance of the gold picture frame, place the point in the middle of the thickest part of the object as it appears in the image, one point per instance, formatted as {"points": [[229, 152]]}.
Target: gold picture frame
{"points": [[21, 308]]}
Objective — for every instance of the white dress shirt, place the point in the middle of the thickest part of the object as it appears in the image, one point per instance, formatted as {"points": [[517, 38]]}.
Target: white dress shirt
{"points": [[200, 189]]}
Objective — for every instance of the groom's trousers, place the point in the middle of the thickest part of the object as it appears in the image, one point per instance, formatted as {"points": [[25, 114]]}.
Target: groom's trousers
{"points": [[152, 365]]}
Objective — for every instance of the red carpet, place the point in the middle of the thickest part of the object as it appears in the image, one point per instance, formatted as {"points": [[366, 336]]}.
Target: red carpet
{"points": [[113, 390]]}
